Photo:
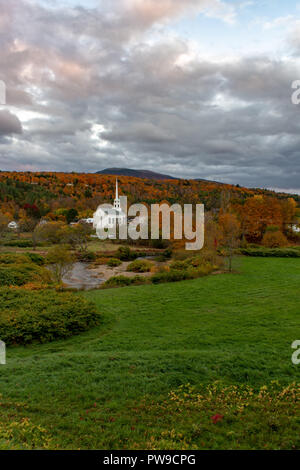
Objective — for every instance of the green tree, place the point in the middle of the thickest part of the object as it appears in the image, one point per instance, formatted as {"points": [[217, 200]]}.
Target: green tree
{"points": [[71, 215]]}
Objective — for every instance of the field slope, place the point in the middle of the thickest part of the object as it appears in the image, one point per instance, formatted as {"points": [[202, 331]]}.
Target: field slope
{"points": [[93, 391]]}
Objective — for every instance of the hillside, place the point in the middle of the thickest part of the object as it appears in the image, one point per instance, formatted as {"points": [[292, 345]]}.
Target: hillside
{"points": [[151, 175], [27, 195]]}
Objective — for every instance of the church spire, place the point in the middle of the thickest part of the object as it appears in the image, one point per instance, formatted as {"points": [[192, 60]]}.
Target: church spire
{"points": [[117, 200]]}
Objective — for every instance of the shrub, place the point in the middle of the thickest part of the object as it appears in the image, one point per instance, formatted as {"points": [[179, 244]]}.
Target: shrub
{"points": [[138, 280], [273, 239], [125, 254], [20, 274], [193, 262], [43, 316], [117, 281], [123, 281], [36, 259], [113, 262], [179, 265], [86, 256], [171, 276], [139, 266]]}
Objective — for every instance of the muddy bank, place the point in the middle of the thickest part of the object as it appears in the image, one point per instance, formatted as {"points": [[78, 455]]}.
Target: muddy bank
{"points": [[88, 276]]}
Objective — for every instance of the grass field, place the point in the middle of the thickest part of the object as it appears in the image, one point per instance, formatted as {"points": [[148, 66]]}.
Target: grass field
{"points": [[108, 388]]}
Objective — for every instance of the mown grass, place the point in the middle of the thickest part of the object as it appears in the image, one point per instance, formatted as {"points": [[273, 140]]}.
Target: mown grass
{"points": [[104, 388]]}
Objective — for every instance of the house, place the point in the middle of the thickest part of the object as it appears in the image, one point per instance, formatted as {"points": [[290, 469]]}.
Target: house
{"points": [[13, 225], [107, 216], [43, 222], [295, 228], [88, 221]]}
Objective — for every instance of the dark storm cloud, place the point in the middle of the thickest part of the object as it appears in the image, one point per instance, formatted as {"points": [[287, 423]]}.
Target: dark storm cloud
{"points": [[102, 91], [9, 124]]}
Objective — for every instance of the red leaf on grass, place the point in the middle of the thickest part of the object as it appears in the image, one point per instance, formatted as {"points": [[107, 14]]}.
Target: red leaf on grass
{"points": [[216, 418]]}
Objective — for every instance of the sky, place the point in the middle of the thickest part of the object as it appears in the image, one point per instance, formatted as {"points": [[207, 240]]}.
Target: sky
{"points": [[191, 88]]}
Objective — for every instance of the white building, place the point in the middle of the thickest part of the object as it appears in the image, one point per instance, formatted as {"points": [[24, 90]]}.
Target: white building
{"points": [[296, 228], [107, 216], [88, 221], [13, 225]]}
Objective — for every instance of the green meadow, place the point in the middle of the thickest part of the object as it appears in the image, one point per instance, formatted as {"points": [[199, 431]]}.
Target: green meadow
{"points": [[146, 377]]}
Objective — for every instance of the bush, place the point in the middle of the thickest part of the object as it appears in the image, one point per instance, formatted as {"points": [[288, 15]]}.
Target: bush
{"points": [[117, 281], [179, 265], [273, 239], [171, 276], [36, 259], [123, 281], [113, 262], [138, 280], [193, 262], [21, 274], [43, 316], [140, 266], [86, 256], [125, 254]]}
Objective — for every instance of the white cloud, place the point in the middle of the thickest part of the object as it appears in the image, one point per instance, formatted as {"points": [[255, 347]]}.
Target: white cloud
{"points": [[282, 21]]}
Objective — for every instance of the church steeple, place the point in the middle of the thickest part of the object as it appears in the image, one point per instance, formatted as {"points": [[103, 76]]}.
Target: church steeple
{"points": [[117, 200]]}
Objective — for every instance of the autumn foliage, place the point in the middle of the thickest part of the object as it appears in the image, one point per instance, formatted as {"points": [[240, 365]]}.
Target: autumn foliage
{"points": [[60, 198]]}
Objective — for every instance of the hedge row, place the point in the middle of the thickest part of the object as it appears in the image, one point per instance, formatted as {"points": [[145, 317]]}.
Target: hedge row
{"points": [[271, 252], [19, 243]]}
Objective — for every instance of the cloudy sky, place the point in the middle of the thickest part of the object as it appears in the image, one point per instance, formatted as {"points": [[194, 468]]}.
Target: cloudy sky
{"points": [[192, 88]]}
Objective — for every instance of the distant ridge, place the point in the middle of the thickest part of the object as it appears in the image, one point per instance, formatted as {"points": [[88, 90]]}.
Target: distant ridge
{"points": [[152, 175]]}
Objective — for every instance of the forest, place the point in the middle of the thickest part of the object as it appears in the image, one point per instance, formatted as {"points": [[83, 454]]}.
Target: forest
{"points": [[27, 197]]}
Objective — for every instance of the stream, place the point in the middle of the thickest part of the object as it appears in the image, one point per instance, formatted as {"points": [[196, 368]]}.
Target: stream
{"points": [[81, 277]]}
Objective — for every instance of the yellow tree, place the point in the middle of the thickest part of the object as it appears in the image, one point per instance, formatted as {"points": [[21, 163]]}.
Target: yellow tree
{"points": [[230, 231]]}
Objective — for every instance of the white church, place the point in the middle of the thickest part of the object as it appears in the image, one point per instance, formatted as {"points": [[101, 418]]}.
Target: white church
{"points": [[108, 216]]}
